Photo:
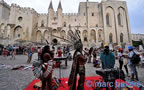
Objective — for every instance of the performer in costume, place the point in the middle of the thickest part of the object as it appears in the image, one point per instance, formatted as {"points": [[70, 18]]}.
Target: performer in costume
{"points": [[45, 68], [78, 67]]}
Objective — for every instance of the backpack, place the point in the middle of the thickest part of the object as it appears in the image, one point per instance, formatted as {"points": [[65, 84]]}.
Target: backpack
{"points": [[135, 58]]}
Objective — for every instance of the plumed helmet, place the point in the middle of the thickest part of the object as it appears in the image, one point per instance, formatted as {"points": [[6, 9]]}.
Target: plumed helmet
{"points": [[78, 45], [75, 39]]}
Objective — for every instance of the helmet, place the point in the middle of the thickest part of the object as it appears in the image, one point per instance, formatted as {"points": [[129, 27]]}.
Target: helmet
{"points": [[130, 47], [78, 45]]}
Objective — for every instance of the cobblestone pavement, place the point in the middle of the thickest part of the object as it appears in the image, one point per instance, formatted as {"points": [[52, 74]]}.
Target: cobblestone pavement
{"points": [[19, 79]]}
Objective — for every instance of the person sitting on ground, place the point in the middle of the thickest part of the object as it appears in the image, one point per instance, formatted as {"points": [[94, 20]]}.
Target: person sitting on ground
{"points": [[95, 60]]}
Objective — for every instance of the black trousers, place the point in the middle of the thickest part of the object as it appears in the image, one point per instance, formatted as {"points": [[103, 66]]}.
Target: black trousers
{"points": [[125, 66], [120, 64]]}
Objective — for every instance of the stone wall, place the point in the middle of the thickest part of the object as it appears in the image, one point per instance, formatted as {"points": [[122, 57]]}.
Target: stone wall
{"points": [[137, 37], [91, 21]]}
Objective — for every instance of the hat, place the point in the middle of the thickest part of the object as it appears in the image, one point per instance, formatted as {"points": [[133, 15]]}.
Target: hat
{"points": [[107, 47], [130, 47]]}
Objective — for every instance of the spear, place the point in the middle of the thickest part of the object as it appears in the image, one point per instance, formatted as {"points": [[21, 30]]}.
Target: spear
{"points": [[62, 38]]}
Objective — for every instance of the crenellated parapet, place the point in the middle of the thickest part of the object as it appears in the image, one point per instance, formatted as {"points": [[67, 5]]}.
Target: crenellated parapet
{"points": [[15, 5], [4, 3], [70, 14], [43, 14], [23, 9]]}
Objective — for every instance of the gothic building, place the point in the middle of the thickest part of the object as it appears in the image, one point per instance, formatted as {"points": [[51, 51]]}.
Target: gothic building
{"points": [[105, 22]]}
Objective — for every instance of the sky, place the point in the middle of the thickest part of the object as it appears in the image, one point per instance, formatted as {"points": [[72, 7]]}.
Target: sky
{"points": [[135, 8]]}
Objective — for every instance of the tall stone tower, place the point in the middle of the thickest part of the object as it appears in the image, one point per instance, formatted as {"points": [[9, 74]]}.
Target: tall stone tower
{"points": [[59, 14], [51, 14]]}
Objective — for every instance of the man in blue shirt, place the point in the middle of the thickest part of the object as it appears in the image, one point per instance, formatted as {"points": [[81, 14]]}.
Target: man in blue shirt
{"points": [[132, 65], [107, 59]]}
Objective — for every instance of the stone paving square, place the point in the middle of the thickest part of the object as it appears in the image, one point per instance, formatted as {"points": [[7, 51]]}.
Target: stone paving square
{"points": [[19, 79]]}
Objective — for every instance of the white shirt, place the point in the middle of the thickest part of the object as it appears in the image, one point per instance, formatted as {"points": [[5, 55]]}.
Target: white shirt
{"points": [[120, 56], [142, 59]]}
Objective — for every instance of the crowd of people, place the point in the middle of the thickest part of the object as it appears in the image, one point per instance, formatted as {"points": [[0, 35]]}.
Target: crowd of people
{"points": [[10, 52], [104, 58], [131, 58]]}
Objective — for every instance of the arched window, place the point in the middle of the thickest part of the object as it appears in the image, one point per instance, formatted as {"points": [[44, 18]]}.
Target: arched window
{"points": [[63, 35], [69, 35], [111, 38], [64, 24], [85, 35], [121, 37], [93, 36], [42, 23], [46, 35], [54, 32], [38, 36], [8, 31], [55, 18], [119, 19], [17, 32], [108, 19], [100, 34], [93, 14], [85, 39]]}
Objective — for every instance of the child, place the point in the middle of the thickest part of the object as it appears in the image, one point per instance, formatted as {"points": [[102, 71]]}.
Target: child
{"points": [[96, 62]]}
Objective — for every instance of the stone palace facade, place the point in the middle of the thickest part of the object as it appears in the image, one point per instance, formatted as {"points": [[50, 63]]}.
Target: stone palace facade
{"points": [[106, 22], [138, 37]]}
